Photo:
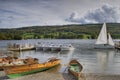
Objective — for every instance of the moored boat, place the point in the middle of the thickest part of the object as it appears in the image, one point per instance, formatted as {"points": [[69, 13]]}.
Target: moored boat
{"points": [[11, 62], [47, 48], [117, 45], [30, 69], [20, 47], [66, 47], [55, 48], [75, 68]]}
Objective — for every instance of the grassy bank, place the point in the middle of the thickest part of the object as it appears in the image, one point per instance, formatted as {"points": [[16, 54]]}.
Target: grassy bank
{"points": [[88, 31]]}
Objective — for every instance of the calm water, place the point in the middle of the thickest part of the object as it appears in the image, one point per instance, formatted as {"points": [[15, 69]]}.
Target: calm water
{"points": [[93, 60]]}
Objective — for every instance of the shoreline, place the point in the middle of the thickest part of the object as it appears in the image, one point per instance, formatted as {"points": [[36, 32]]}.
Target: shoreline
{"points": [[47, 75], [93, 76]]}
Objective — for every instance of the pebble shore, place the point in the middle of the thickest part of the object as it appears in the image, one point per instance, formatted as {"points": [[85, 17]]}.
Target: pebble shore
{"points": [[55, 75], [63, 76], [102, 77]]}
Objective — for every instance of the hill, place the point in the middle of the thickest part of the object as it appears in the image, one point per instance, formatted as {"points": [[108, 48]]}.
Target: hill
{"points": [[86, 31]]}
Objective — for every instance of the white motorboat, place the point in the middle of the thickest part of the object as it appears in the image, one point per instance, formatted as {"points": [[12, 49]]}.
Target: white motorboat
{"points": [[55, 48], [66, 47]]}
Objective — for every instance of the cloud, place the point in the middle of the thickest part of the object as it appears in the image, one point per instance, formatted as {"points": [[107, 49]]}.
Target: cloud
{"points": [[19, 13], [106, 13]]}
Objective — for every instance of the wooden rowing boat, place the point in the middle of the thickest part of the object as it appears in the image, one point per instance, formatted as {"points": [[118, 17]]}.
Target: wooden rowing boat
{"points": [[30, 69], [75, 68], [11, 62]]}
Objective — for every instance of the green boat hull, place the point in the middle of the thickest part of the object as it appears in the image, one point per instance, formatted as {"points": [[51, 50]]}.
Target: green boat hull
{"points": [[29, 72]]}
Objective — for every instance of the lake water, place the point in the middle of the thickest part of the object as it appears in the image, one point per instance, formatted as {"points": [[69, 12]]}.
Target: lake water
{"points": [[93, 60]]}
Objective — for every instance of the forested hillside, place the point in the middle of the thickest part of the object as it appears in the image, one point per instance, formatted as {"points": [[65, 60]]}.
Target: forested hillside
{"points": [[88, 31]]}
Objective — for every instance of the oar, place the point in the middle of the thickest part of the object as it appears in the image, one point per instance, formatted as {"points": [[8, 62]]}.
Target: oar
{"points": [[65, 64], [65, 69]]}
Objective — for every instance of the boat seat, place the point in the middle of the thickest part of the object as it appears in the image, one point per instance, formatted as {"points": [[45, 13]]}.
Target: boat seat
{"points": [[74, 64], [75, 68]]}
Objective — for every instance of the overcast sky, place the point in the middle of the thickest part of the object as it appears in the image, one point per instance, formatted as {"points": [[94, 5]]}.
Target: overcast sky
{"points": [[22, 13]]}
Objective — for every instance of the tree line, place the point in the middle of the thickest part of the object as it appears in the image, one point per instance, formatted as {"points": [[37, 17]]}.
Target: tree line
{"points": [[88, 31]]}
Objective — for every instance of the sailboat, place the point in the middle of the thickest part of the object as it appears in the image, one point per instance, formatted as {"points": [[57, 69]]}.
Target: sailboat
{"points": [[104, 39]]}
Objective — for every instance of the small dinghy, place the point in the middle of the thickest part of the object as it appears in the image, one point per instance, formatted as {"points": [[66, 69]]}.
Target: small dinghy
{"points": [[75, 68]]}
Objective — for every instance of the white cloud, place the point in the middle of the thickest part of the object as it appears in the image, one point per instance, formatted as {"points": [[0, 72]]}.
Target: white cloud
{"points": [[106, 13], [19, 13]]}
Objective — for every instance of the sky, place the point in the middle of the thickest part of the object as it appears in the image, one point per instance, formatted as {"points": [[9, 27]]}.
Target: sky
{"points": [[23, 13]]}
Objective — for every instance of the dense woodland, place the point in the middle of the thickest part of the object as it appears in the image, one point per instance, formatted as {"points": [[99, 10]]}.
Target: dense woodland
{"points": [[86, 31]]}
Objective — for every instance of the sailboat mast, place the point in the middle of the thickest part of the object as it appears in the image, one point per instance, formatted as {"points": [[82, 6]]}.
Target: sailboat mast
{"points": [[102, 38]]}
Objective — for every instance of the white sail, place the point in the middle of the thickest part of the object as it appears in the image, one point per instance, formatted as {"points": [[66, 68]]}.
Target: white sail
{"points": [[110, 41], [102, 38]]}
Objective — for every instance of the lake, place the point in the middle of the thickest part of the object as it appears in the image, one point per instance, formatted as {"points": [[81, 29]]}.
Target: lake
{"points": [[105, 61]]}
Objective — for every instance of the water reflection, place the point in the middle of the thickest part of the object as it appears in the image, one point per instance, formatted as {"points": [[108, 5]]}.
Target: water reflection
{"points": [[97, 61], [93, 60], [106, 61], [65, 56], [103, 60], [42, 55]]}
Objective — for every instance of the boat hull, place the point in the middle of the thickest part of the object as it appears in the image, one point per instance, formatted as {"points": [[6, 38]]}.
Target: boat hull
{"points": [[21, 49], [75, 68], [11, 66], [67, 48], [30, 69], [56, 49], [102, 46], [46, 48], [29, 72], [39, 48], [117, 47]]}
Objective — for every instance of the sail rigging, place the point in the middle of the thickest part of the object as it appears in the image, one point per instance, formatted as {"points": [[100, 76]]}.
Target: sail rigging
{"points": [[110, 41], [102, 38]]}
